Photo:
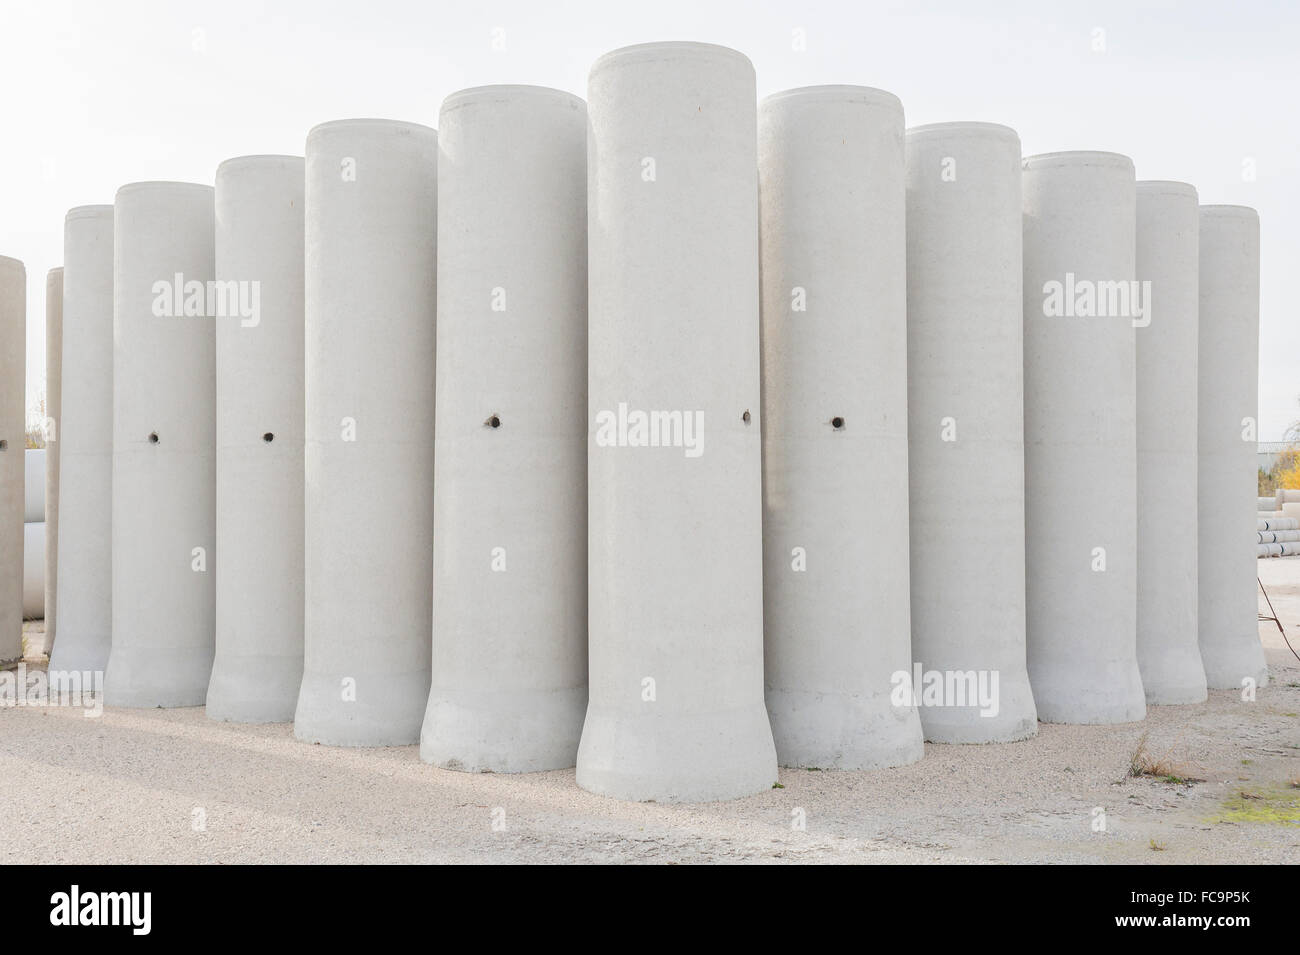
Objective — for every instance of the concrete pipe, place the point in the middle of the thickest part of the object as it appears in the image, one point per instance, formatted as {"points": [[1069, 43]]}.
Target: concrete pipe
{"points": [[510, 463], [1167, 249], [13, 441], [370, 305], [85, 601], [53, 390], [163, 433], [1081, 437], [1278, 524], [1228, 409], [34, 486], [675, 542], [832, 201], [965, 380], [1289, 548], [259, 598], [34, 570]]}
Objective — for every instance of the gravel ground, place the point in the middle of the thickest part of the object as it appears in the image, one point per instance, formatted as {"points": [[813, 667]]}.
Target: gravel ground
{"points": [[137, 786]]}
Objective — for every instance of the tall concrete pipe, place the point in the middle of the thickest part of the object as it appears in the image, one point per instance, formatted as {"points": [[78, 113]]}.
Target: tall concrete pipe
{"points": [[834, 427], [259, 590], [53, 390], [1168, 657], [1081, 438], [13, 442], [676, 708], [965, 394], [34, 539], [370, 306], [1227, 414], [34, 485], [164, 474], [85, 601], [510, 464]]}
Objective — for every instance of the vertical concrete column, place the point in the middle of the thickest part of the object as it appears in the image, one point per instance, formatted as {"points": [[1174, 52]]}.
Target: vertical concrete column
{"points": [[53, 389], [164, 475], [834, 427], [1081, 437], [965, 379], [85, 601], [13, 442], [1227, 409], [371, 278], [259, 602], [674, 472], [1168, 656], [510, 464]]}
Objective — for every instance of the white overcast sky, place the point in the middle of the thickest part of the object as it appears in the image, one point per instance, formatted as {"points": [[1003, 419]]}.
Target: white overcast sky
{"points": [[97, 94]]}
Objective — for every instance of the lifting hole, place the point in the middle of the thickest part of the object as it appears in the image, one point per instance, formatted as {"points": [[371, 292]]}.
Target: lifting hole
{"points": [[837, 423], [268, 437], [493, 422], [4, 445], [153, 437], [745, 417]]}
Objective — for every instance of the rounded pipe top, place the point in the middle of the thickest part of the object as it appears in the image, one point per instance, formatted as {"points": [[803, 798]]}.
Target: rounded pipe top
{"points": [[89, 212], [53, 271], [670, 49], [839, 91], [1230, 212], [8, 263], [401, 124], [257, 159], [507, 90], [972, 127], [1166, 187], [161, 184], [1079, 157]]}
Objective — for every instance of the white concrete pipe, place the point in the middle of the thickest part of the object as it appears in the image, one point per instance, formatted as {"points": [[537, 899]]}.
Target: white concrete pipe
{"points": [[13, 441], [834, 425], [34, 486], [675, 517], [34, 570], [1228, 409], [1271, 537], [1278, 524], [371, 253], [1081, 437], [85, 601], [164, 476], [259, 590], [965, 381], [53, 390], [1265, 503], [510, 465], [1167, 248]]}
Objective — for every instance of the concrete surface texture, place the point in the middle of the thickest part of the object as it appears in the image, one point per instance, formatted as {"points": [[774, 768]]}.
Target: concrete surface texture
{"points": [[157, 786], [34, 486], [53, 390], [965, 450], [164, 475], [509, 685], [676, 708], [13, 378], [1227, 408], [259, 445], [34, 570], [85, 602], [1167, 252], [834, 427], [1080, 439], [370, 305]]}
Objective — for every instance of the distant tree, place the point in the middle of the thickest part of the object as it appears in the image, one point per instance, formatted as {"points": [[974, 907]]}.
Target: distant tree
{"points": [[36, 425]]}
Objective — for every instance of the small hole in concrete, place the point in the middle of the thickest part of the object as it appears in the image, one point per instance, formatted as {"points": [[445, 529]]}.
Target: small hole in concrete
{"points": [[493, 422], [745, 417], [4, 445], [153, 437], [268, 437], [837, 423]]}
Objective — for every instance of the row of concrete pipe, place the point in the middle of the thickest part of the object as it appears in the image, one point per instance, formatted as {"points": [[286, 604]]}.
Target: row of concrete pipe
{"points": [[705, 375]]}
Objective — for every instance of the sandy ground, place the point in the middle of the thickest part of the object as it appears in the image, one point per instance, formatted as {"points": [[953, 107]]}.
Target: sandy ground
{"points": [[137, 786]]}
